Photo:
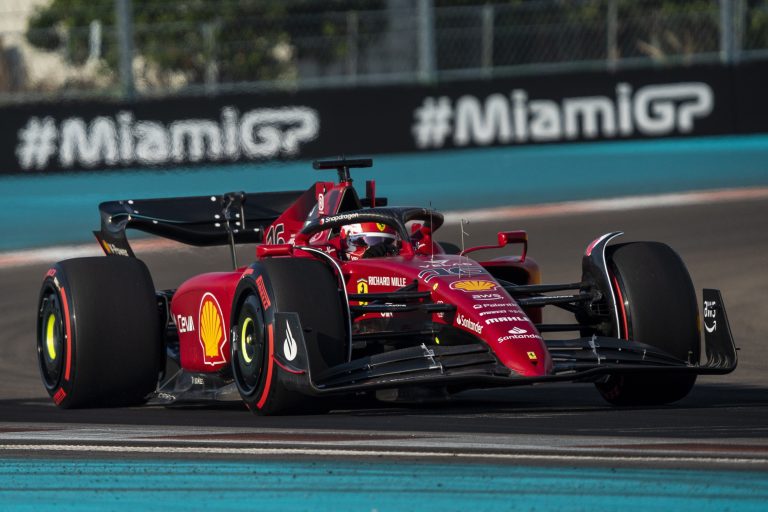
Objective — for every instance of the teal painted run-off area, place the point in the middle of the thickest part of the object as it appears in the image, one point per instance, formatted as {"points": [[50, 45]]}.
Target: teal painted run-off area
{"points": [[34, 485], [45, 210]]}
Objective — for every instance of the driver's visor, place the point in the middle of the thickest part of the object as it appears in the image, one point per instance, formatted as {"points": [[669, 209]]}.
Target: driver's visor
{"points": [[369, 240]]}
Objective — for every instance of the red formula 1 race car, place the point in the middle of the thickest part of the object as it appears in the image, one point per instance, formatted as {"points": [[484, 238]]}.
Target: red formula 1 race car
{"points": [[349, 298]]}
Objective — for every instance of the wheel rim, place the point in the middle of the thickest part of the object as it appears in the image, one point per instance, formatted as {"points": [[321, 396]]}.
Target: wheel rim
{"points": [[246, 341], [250, 348], [50, 337], [51, 340]]}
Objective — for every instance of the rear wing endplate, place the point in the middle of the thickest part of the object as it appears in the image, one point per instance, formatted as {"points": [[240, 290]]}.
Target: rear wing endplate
{"points": [[718, 339]]}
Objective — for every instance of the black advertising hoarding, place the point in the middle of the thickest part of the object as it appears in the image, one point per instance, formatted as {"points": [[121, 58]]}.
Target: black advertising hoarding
{"points": [[183, 131], [750, 97], [581, 107]]}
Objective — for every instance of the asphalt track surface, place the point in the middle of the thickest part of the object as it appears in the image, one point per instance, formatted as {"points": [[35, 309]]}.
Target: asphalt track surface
{"points": [[722, 424]]}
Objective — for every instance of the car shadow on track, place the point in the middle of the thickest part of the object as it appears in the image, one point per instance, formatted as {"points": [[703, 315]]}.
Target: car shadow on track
{"points": [[711, 409]]}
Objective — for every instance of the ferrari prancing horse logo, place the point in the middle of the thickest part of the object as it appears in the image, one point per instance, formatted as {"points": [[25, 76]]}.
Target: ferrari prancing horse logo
{"points": [[362, 287], [212, 334]]}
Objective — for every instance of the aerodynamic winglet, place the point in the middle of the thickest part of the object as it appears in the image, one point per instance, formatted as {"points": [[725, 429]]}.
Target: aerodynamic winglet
{"points": [[718, 340]]}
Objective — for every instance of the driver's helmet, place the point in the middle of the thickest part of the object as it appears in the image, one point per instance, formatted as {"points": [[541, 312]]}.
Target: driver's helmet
{"points": [[361, 237]]}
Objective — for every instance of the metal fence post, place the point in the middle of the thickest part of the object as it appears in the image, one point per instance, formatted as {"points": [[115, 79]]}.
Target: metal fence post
{"points": [[427, 59], [739, 25], [124, 23], [94, 40], [353, 43], [487, 16], [611, 32], [726, 31], [209, 32]]}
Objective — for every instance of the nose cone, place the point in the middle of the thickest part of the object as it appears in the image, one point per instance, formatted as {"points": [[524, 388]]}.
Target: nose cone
{"points": [[518, 345], [485, 310], [510, 335]]}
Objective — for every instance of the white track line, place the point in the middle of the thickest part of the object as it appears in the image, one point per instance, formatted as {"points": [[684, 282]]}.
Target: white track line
{"points": [[64, 252], [608, 205], [322, 452], [53, 254]]}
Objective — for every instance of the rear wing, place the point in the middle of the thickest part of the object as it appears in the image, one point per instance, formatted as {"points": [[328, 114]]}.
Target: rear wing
{"points": [[234, 217]]}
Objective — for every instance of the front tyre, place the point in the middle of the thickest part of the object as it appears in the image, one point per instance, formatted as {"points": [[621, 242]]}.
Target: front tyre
{"points": [[660, 309], [296, 285], [98, 332], [250, 347]]}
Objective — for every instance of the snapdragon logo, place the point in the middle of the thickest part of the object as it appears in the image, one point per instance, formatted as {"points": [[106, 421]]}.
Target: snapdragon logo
{"points": [[341, 217], [125, 140], [652, 110]]}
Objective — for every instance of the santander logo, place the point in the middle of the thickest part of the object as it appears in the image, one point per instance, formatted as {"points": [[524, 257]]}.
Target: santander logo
{"points": [[465, 322]]}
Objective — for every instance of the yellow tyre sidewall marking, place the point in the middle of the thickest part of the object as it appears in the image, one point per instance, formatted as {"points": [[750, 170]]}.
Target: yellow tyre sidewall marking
{"points": [[50, 340], [243, 348]]}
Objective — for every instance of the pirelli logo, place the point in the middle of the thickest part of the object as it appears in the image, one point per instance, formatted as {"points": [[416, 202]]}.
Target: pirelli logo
{"points": [[59, 396], [263, 295]]}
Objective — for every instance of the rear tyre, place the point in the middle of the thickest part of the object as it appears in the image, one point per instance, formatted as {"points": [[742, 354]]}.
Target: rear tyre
{"points": [[661, 310], [303, 286], [99, 340]]}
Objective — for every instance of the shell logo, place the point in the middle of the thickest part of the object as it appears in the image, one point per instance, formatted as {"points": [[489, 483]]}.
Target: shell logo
{"points": [[212, 334], [473, 285]]}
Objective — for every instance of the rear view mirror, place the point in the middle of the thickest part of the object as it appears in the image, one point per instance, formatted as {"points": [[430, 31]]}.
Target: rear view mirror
{"points": [[514, 237]]}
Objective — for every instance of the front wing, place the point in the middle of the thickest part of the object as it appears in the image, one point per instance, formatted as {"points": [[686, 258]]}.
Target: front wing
{"points": [[474, 366]]}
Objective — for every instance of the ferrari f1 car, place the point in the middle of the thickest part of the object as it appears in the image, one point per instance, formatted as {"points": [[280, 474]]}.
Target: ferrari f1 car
{"points": [[308, 320]]}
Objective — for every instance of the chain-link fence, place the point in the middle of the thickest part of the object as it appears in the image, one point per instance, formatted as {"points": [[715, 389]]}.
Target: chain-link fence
{"points": [[62, 48]]}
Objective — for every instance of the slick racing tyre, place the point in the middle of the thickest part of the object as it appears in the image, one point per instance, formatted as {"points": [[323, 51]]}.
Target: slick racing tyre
{"points": [[98, 332], [308, 288], [661, 310]]}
